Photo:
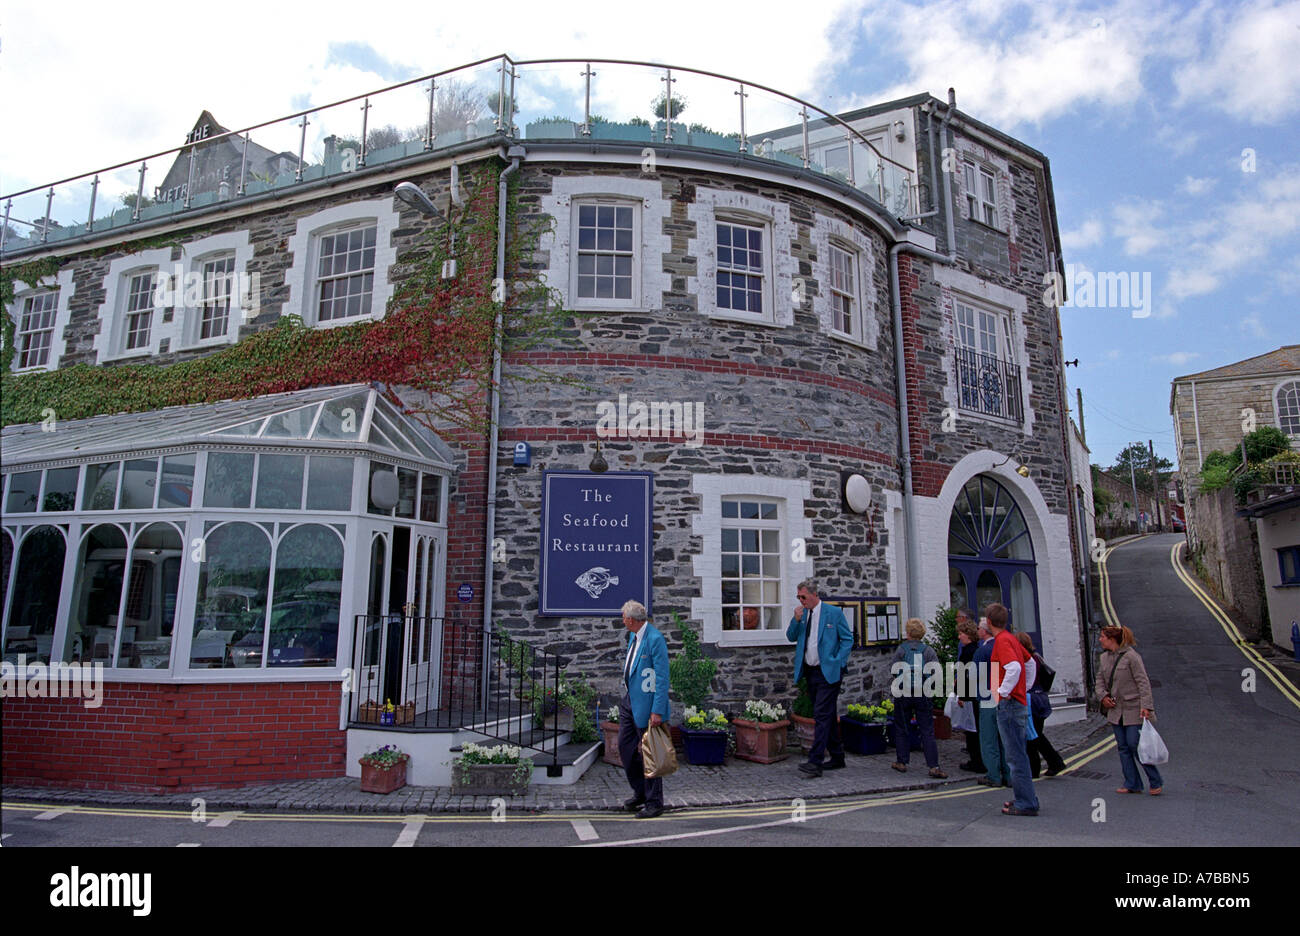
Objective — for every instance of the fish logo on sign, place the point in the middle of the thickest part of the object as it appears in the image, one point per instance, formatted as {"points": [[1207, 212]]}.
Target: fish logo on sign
{"points": [[594, 581]]}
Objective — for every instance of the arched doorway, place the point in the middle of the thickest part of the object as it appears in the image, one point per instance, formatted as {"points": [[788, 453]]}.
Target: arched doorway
{"points": [[990, 555]]}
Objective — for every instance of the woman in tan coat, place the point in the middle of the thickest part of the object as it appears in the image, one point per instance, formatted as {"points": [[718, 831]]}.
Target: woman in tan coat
{"points": [[1125, 694]]}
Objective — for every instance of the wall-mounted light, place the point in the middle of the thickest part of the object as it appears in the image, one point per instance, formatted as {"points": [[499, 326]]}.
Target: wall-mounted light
{"points": [[1021, 468], [413, 196], [598, 463], [900, 133], [855, 491]]}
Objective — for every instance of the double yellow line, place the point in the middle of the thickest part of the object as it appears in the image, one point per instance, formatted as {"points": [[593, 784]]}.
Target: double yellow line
{"points": [[1275, 675]]}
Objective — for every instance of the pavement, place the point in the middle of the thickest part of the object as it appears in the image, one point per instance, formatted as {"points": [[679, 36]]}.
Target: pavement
{"points": [[603, 787]]}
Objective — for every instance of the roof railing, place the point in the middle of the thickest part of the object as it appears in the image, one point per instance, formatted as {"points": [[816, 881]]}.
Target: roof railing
{"points": [[440, 110]]}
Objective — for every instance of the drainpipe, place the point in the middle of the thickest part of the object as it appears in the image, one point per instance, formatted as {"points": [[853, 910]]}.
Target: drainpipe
{"points": [[515, 154], [900, 368], [946, 132]]}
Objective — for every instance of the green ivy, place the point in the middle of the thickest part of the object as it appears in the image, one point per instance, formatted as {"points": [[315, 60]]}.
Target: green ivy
{"points": [[437, 335]]}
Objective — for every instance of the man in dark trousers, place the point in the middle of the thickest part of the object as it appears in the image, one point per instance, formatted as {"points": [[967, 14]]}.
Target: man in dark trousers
{"points": [[823, 639], [645, 703]]}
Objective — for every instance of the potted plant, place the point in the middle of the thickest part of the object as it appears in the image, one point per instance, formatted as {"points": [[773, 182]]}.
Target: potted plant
{"points": [[690, 672], [865, 728], [490, 771], [801, 713], [610, 729], [384, 770], [577, 696], [705, 735], [942, 637], [761, 732]]}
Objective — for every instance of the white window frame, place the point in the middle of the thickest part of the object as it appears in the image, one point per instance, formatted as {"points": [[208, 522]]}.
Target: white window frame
{"points": [[110, 343], [707, 564], [979, 181], [304, 245], [1290, 382], [1003, 329], [765, 275], [762, 525], [63, 287], [712, 206], [187, 325], [637, 252], [49, 299], [853, 293]]}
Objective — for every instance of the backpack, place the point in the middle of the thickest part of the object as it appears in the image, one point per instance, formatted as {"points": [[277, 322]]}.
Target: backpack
{"points": [[913, 668]]}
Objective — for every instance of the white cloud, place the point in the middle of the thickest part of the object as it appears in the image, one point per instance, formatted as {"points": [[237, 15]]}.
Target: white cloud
{"points": [[1194, 186], [1252, 325], [121, 89], [1249, 68], [1088, 234], [1113, 354], [1136, 223], [1176, 358]]}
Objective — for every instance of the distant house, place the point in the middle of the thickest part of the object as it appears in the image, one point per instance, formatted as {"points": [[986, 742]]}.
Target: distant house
{"points": [[1213, 409]]}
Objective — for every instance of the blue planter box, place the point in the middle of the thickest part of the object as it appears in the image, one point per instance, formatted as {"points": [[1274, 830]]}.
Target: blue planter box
{"points": [[704, 747], [863, 737]]}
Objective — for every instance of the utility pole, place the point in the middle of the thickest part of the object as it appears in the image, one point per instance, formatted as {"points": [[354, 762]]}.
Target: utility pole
{"points": [[1137, 518], [1155, 481]]}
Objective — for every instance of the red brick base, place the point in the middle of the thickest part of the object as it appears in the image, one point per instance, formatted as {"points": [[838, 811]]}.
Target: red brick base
{"points": [[150, 737]]}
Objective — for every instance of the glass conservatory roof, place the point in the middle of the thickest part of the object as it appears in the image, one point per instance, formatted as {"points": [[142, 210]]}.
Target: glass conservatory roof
{"points": [[338, 417]]}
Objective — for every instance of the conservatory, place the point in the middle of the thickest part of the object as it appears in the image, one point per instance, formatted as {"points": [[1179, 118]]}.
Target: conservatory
{"points": [[240, 536]]}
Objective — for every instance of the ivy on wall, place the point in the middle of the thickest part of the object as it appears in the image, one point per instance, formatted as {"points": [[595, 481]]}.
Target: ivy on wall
{"points": [[436, 336]]}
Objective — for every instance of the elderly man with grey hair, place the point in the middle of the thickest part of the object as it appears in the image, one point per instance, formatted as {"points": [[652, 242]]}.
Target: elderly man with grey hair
{"points": [[823, 640], [645, 703]]}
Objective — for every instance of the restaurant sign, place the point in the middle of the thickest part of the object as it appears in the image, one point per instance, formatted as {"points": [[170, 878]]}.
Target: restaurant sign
{"points": [[597, 532]]}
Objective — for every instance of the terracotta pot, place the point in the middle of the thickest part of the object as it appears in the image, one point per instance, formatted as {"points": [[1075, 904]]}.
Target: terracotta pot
{"points": [[610, 730], [763, 742], [942, 726], [379, 780], [804, 728], [751, 618]]}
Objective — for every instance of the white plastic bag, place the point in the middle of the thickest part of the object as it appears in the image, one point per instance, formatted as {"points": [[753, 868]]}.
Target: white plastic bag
{"points": [[962, 716], [1151, 749]]}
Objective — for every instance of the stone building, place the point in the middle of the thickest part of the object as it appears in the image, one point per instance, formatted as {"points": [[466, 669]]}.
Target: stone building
{"points": [[301, 511], [1213, 409]]}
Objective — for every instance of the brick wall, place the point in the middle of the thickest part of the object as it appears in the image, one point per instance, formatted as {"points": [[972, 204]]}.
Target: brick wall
{"points": [[152, 737]]}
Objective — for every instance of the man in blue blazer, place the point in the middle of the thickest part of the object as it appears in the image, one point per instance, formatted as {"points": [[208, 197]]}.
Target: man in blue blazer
{"points": [[823, 641], [645, 703]]}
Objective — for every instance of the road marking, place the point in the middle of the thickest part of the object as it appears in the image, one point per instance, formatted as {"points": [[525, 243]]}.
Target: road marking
{"points": [[6, 835], [224, 819], [1275, 676], [51, 814], [410, 832], [187, 844], [586, 832]]}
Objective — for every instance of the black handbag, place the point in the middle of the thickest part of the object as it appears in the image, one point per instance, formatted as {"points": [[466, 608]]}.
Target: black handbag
{"points": [[1046, 675]]}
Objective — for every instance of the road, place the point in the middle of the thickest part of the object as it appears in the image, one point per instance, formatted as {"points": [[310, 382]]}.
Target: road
{"points": [[1232, 730]]}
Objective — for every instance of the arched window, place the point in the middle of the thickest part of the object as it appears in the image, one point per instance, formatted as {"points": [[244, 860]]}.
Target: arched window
{"points": [[97, 596], [1287, 399], [230, 611], [30, 628], [991, 554]]}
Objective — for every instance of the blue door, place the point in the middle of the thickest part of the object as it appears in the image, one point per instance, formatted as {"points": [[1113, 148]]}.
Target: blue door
{"points": [[990, 555]]}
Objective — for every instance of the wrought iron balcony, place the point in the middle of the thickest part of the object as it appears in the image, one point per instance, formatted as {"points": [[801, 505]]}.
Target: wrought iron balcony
{"points": [[437, 113], [988, 385]]}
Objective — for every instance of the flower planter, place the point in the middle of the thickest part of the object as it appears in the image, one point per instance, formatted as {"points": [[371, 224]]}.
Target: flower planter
{"points": [[864, 737], [804, 729], [611, 756], [489, 779], [763, 742], [942, 726], [380, 780], [704, 747]]}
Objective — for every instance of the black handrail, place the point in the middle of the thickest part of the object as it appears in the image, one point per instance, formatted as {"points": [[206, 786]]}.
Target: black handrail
{"points": [[431, 669]]}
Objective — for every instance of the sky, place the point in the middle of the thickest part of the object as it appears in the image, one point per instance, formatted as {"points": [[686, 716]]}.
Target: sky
{"points": [[1171, 127]]}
